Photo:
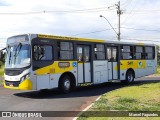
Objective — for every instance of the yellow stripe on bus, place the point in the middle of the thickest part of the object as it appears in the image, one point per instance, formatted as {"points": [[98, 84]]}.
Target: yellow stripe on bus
{"points": [[69, 38], [140, 44], [56, 68], [134, 64]]}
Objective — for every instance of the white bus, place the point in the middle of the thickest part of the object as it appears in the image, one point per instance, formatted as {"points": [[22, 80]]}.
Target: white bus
{"points": [[37, 61]]}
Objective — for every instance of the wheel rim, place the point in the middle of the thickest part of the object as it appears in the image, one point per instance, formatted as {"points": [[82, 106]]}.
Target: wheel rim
{"points": [[67, 84], [130, 78]]}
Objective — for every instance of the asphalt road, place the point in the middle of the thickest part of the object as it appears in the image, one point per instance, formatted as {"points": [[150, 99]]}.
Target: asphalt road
{"points": [[53, 100], [1, 78]]}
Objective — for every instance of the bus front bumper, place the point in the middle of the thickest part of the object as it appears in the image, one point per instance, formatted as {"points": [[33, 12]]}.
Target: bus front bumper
{"points": [[25, 85]]}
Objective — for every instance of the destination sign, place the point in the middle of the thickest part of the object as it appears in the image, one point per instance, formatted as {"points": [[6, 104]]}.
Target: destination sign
{"points": [[17, 39]]}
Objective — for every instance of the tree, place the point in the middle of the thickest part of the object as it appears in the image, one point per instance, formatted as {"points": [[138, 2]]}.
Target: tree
{"points": [[2, 56], [158, 55]]}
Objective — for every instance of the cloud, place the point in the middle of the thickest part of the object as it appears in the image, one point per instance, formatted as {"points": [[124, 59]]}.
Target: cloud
{"points": [[77, 23], [3, 3]]}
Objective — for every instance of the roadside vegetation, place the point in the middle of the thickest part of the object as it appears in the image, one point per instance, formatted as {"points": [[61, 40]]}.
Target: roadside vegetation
{"points": [[1, 74], [158, 59], [144, 97], [158, 69], [2, 61], [1, 82], [1, 71]]}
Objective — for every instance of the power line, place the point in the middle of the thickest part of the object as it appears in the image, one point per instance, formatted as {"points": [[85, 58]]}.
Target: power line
{"points": [[143, 12], [143, 37], [150, 40], [146, 10], [80, 10], [141, 29], [138, 39], [126, 3], [91, 32], [130, 13], [65, 11]]}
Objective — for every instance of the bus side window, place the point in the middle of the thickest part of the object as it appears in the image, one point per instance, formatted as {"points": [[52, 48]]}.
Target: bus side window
{"points": [[65, 50], [42, 52], [79, 54], [114, 54], [149, 52], [86, 54], [99, 52], [109, 56], [127, 52], [139, 52], [35, 52]]}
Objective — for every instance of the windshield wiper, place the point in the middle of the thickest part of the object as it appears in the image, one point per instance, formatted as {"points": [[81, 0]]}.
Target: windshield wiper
{"points": [[16, 53], [9, 47]]}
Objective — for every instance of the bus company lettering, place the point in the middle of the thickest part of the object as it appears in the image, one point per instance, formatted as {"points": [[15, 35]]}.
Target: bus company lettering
{"points": [[140, 64], [130, 62]]}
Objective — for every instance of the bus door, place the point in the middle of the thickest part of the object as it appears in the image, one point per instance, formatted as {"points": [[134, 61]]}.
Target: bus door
{"points": [[84, 64], [42, 57], [112, 54]]}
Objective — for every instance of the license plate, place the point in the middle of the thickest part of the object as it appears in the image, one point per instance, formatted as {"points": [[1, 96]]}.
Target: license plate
{"points": [[11, 85]]}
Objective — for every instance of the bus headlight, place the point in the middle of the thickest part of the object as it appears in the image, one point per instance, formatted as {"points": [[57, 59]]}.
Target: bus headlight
{"points": [[25, 77]]}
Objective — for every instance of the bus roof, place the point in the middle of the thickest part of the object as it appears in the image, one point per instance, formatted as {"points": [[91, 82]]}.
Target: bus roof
{"points": [[90, 40], [56, 37], [69, 38]]}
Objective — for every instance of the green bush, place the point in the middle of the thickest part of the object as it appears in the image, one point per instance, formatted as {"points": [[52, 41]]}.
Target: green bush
{"points": [[1, 64], [158, 55]]}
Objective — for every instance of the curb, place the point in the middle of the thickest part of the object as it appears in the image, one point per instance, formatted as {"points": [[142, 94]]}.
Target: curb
{"points": [[98, 98], [75, 118]]}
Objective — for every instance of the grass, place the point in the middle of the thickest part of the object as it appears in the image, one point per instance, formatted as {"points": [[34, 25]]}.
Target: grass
{"points": [[158, 69], [1, 74], [1, 82], [2, 71], [144, 97]]}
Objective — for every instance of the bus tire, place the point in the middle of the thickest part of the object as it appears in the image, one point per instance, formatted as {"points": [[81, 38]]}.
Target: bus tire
{"points": [[65, 84], [129, 77]]}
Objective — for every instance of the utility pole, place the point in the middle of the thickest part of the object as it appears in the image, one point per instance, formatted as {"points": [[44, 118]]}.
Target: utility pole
{"points": [[119, 12]]}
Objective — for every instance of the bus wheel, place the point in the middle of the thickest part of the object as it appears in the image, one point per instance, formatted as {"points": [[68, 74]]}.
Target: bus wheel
{"points": [[129, 77], [65, 84]]}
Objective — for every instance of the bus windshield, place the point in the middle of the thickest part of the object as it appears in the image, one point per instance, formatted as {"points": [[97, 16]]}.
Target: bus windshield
{"points": [[18, 56]]}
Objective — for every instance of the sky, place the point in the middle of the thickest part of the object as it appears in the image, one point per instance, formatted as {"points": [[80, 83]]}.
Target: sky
{"points": [[140, 19]]}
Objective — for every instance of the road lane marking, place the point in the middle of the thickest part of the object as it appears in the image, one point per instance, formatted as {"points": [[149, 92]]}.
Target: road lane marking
{"points": [[75, 118]]}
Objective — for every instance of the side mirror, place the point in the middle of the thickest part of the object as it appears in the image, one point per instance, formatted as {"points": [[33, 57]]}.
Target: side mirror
{"points": [[0, 54]]}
